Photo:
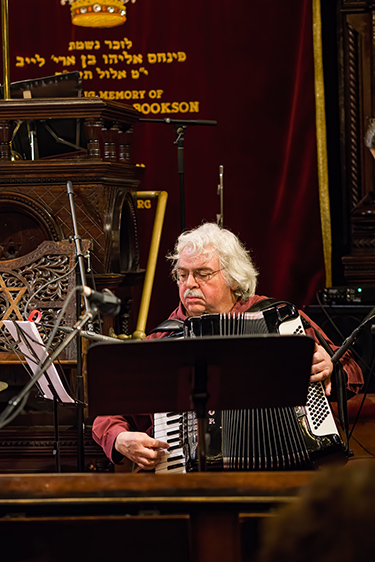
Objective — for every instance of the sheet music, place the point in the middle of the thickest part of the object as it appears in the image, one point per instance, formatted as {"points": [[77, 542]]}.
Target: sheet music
{"points": [[36, 343]]}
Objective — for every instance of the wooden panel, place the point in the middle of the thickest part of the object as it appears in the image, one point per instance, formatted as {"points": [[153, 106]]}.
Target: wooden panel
{"points": [[35, 227], [356, 93], [189, 517], [141, 537], [42, 279]]}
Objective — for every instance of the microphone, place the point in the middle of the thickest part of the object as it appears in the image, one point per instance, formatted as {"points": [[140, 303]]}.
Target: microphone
{"points": [[106, 302]]}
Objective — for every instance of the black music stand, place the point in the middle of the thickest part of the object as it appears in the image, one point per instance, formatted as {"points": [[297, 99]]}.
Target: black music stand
{"points": [[43, 138], [201, 374], [32, 347]]}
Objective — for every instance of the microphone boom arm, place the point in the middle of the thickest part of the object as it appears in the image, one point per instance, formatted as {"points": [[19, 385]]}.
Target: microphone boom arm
{"points": [[352, 338]]}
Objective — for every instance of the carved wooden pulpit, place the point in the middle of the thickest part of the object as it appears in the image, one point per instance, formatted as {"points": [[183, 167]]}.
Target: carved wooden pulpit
{"points": [[35, 227]]}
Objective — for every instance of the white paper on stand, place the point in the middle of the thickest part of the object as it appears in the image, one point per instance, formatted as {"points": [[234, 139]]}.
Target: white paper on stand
{"points": [[35, 342]]}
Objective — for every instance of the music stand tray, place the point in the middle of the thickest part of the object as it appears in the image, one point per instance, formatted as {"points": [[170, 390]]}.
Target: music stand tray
{"points": [[163, 375], [31, 345]]}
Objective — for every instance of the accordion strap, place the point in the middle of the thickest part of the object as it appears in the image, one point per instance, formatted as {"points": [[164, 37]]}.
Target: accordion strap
{"points": [[172, 327], [264, 303]]}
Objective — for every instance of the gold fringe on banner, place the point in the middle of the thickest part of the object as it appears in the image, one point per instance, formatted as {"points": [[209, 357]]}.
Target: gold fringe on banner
{"points": [[321, 138]]}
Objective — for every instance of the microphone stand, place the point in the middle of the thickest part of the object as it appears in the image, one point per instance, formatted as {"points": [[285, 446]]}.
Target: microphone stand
{"points": [[180, 126], [77, 240], [348, 342], [353, 337], [80, 383]]}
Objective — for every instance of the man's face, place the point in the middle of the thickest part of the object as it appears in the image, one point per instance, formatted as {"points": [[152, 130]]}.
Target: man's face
{"points": [[210, 295]]}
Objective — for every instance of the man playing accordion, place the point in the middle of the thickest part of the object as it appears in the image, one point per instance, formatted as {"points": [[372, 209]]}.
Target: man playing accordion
{"points": [[215, 274]]}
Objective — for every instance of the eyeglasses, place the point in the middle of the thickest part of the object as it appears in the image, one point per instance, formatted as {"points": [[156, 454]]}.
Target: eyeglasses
{"points": [[200, 275]]}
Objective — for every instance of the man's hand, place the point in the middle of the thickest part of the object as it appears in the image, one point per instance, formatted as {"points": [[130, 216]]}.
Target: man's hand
{"points": [[140, 448], [321, 368]]}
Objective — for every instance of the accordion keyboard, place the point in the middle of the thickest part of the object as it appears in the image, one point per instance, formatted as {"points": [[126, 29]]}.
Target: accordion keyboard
{"points": [[167, 427]]}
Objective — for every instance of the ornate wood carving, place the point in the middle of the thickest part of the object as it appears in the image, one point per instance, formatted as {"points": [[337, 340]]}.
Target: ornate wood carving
{"points": [[35, 226], [357, 92], [43, 279], [26, 452], [104, 201], [104, 181]]}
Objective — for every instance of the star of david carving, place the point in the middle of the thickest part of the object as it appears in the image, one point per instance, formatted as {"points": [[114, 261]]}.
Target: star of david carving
{"points": [[10, 250], [12, 301]]}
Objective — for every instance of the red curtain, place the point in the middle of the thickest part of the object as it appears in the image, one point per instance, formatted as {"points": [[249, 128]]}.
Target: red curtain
{"points": [[246, 65]]}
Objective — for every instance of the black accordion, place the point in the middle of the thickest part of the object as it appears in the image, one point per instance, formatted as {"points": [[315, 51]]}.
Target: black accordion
{"points": [[287, 438]]}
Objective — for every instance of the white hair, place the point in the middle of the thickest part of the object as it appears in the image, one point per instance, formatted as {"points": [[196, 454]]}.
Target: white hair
{"points": [[234, 259]]}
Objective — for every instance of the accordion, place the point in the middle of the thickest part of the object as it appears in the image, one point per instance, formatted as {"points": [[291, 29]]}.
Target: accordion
{"points": [[285, 438]]}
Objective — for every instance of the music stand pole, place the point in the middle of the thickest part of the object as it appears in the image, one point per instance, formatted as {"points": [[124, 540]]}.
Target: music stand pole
{"points": [[56, 446], [199, 398]]}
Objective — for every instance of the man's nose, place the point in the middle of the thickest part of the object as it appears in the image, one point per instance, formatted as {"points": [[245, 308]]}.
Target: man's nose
{"points": [[191, 281]]}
